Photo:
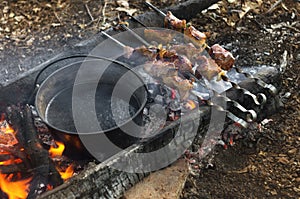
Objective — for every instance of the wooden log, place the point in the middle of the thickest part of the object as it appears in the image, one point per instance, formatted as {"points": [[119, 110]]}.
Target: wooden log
{"points": [[37, 159]]}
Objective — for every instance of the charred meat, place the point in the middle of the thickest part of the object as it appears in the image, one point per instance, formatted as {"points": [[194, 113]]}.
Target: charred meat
{"points": [[182, 85]]}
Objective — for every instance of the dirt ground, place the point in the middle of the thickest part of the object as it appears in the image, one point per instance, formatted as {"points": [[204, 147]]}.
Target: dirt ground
{"points": [[257, 32], [268, 34]]}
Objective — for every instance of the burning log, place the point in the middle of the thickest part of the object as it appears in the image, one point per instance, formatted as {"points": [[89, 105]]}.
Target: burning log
{"points": [[33, 158]]}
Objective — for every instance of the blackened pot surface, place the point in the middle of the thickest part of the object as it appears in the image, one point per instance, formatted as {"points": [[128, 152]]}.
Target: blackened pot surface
{"points": [[55, 96]]}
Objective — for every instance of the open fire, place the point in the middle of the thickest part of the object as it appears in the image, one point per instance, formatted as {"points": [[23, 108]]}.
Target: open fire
{"points": [[15, 178], [13, 184], [56, 153]]}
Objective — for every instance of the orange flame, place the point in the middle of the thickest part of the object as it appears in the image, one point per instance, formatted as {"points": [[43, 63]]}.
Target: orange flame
{"points": [[190, 104], [11, 161], [14, 189], [6, 128], [57, 151], [68, 173]]}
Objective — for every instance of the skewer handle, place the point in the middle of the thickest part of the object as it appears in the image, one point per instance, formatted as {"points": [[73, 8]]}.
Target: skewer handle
{"points": [[228, 114], [260, 82], [260, 99]]}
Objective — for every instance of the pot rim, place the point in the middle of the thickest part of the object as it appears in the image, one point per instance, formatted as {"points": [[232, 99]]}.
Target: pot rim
{"points": [[91, 58]]}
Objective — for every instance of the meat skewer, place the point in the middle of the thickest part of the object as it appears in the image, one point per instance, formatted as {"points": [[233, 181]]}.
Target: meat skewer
{"points": [[250, 114], [262, 97], [209, 69]]}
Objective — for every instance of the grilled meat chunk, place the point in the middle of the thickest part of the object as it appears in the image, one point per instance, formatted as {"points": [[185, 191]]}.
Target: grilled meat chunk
{"points": [[193, 35], [207, 67], [160, 69], [182, 85], [184, 65], [173, 22], [189, 50], [221, 56]]}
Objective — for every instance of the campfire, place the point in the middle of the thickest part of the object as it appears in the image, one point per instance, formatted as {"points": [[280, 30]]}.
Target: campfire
{"points": [[23, 170], [33, 162], [14, 185]]}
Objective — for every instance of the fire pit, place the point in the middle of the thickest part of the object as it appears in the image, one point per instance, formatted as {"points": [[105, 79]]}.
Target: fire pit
{"points": [[101, 179]]}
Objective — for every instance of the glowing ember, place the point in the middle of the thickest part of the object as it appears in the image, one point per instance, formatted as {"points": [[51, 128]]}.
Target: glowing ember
{"points": [[14, 189], [11, 161], [7, 133], [190, 104], [68, 173], [49, 187], [57, 151]]}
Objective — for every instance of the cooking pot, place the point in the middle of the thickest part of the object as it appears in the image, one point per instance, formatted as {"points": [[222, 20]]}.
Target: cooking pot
{"points": [[89, 99]]}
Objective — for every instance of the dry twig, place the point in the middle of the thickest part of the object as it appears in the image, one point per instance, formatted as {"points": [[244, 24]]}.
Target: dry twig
{"points": [[274, 6], [89, 12], [103, 12]]}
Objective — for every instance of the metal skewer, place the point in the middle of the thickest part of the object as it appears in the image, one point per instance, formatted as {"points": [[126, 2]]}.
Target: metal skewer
{"points": [[113, 39], [260, 99], [124, 27], [261, 83], [137, 20], [250, 114], [155, 8]]}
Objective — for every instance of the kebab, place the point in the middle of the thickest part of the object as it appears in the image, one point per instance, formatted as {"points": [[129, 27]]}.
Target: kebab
{"points": [[207, 67], [168, 72], [223, 58], [185, 68]]}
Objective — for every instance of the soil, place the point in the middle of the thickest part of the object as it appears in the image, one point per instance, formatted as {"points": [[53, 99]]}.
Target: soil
{"points": [[269, 167], [256, 32]]}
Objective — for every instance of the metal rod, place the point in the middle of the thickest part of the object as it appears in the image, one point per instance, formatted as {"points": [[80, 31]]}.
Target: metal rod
{"points": [[113, 39], [135, 35], [155, 9], [137, 20]]}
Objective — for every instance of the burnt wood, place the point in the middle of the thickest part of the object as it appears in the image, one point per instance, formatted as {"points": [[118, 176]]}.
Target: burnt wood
{"points": [[37, 161]]}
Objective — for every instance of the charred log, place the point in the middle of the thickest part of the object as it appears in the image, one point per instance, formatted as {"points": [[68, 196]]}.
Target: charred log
{"points": [[37, 159]]}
